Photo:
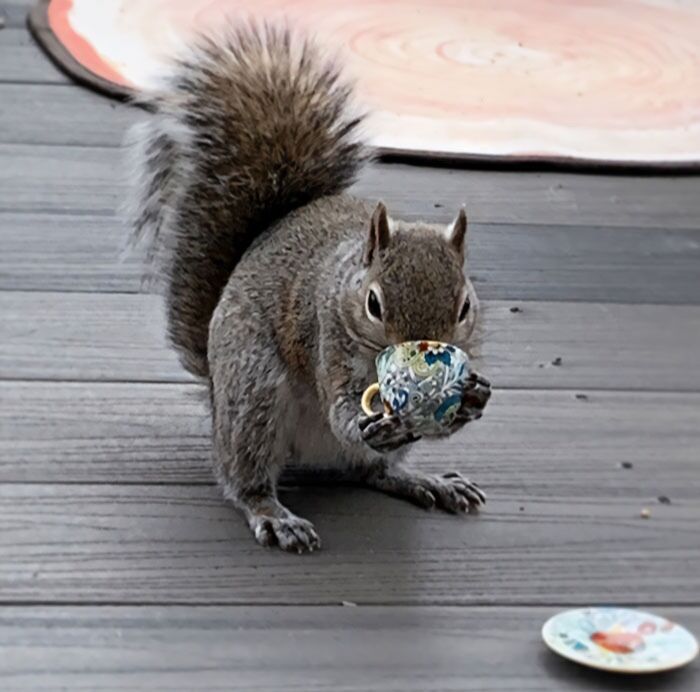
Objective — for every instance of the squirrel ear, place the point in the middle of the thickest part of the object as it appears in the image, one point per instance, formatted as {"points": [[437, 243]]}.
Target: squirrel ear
{"points": [[379, 233], [457, 232]]}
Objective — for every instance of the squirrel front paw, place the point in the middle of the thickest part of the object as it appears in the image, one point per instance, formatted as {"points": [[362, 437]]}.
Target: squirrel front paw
{"points": [[386, 433], [474, 399]]}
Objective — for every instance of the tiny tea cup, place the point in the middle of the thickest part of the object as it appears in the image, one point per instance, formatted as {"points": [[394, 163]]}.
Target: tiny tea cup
{"points": [[422, 382]]}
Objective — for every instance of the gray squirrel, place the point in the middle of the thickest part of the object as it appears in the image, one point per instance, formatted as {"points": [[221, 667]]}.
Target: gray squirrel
{"points": [[281, 289]]}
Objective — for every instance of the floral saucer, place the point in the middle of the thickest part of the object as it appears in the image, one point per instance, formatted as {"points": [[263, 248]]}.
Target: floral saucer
{"points": [[620, 640]]}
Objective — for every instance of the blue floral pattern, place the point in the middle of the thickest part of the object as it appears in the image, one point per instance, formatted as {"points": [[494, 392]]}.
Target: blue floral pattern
{"points": [[423, 382]]}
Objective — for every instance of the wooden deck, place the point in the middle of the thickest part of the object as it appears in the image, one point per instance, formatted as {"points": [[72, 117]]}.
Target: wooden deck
{"points": [[122, 568]]}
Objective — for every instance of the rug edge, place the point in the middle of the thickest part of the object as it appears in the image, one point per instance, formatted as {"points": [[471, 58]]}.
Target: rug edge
{"points": [[60, 56], [38, 24]]}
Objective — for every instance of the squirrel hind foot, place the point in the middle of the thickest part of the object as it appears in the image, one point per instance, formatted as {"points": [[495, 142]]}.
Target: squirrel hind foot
{"points": [[273, 524], [292, 534]]}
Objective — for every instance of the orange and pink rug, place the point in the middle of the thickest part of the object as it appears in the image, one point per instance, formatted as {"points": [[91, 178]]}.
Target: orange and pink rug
{"points": [[612, 82]]}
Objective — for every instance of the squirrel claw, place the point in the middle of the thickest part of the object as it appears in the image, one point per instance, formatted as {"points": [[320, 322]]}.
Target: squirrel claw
{"points": [[451, 492], [476, 379], [469, 490], [386, 433], [366, 420], [474, 400], [292, 534]]}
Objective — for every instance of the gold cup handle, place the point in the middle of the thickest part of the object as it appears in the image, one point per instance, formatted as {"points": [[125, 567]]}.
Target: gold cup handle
{"points": [[367, 398]]}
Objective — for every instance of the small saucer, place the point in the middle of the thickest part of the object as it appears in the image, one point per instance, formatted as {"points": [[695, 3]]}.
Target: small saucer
{"points": [[620, 640]]}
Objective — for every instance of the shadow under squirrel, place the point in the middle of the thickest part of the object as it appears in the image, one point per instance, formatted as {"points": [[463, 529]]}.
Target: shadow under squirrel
{"points": [[281, 289]]}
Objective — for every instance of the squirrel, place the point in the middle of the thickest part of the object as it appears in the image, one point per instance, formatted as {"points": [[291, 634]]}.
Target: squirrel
{"points": [[280, 287]]}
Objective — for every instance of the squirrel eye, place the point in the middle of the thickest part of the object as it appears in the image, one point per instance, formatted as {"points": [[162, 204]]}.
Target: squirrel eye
{"points": [[374, 307], [465, 310]]}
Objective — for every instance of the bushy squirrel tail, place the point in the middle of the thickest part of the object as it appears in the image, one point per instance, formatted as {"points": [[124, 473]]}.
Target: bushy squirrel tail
{"points": [[252, 124]]}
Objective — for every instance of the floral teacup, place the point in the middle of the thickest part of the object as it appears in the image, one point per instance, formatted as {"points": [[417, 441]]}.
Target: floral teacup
{"points": [[422, 382]]}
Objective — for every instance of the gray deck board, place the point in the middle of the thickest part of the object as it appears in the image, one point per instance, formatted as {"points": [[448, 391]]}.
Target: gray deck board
{"points": [[155, 544], [50, 252], [100, 336], [71, 336], [507, 261], [530, 441], [14, 12], [63, 179], [62, 114], [400, 649], [22, 61]]}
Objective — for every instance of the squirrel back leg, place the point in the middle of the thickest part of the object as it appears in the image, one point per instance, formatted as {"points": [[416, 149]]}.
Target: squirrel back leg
{"points": [[451, 492], [376, 447], [250, 400]]}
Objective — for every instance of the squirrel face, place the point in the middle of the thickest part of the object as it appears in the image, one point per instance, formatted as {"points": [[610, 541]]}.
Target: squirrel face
{"points": [[414, 285]]}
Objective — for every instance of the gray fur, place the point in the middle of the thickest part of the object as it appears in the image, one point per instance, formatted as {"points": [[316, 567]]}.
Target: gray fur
{"points": [[268, 264], [249, 126]]}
